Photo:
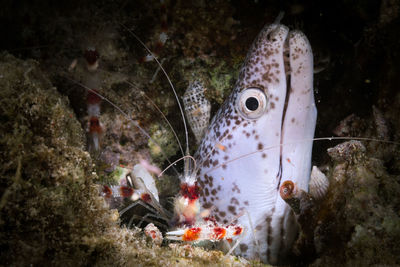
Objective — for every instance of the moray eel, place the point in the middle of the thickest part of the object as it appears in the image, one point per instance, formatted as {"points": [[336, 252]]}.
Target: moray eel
{"points": [[261, 137]]}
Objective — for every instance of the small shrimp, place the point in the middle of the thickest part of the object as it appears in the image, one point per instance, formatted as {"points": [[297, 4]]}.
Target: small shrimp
{"points": [[208, 230]]}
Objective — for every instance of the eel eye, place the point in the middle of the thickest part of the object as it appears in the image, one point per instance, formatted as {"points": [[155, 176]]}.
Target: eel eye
{"points": [[251, 103]]}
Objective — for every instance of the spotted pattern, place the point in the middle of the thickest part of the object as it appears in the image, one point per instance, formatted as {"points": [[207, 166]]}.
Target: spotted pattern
{"points": [[239, 158]]}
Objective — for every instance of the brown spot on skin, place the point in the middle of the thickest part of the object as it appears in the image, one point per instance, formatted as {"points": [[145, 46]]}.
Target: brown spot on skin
{"points": [[206, 179], [243, 247], [229, 136], [225, 221], [222, 213], [263, 155], [246, 203], [206, 163], [256, 137], [272, 105], [235, 187], [232, 209], [213, 192], [201, 183], [258, 227], [207, 192], [234, 201], [207, 205], [260, 146], [292, 120], [224, 166]]}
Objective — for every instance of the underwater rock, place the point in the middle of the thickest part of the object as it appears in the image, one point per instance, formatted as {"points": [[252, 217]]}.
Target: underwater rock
{"points": [[349, 126], [358, 222], [50, 209], [350, 151]]}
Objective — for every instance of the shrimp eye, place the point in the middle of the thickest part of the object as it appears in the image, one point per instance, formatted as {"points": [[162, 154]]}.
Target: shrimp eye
{"points": [[251, 103]]}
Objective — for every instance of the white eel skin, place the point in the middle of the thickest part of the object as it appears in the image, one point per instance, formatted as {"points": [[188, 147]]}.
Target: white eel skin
{"points": [[260, 137]]}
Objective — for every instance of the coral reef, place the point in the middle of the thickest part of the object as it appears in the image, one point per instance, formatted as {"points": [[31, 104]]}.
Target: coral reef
{"points": [[51, 211], [359, 220]]}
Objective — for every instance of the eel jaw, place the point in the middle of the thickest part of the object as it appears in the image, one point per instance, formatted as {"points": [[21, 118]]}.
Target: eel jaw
{"points": [[299, 114]]}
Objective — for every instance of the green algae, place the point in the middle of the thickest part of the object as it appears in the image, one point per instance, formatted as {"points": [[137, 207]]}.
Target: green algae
{"points": [[166, 144], [114, 177], [222, 79]]}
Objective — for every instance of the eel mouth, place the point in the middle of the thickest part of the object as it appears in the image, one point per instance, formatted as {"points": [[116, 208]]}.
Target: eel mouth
{"points": [[286, 64]]}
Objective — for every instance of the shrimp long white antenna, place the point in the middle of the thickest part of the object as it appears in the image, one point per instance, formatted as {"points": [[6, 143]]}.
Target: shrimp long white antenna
{"points": [[155, 106], [223, 137], [183, 158], [143, 131], [162, 114], [355, 138], [297, 142], [169, 81]]}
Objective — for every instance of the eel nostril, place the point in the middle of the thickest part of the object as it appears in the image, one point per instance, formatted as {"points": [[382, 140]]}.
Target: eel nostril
{"points": [[271, 37]]}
